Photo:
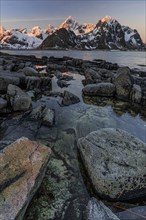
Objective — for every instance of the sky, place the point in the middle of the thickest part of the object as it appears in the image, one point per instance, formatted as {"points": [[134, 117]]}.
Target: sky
{"points": [[29, 13]]}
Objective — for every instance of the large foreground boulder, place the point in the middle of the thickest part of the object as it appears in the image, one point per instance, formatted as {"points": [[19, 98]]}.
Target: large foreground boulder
{"points": [[123, 82], [96, 210], [100, 89], [19, 100], [22, 168], [115, 162]]}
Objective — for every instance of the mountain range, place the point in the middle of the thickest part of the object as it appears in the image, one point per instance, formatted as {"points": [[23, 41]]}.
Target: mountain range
{"points": [[108, 33]]}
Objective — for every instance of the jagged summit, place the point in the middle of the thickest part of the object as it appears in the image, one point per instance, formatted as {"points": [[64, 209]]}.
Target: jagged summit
{"points": [[108, 19], [69, 24], [2, 29]]}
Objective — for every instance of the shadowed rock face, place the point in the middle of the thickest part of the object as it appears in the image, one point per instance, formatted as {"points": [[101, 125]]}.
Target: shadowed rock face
{"points": [[123, 82], [22, 167], [20, 101], [115, 162], [61, 38]]}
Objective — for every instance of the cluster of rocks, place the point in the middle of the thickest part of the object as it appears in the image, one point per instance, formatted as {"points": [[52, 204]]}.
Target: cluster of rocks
{"points": [[17, 79], [102, 79], [113, 159], [120, 84]]}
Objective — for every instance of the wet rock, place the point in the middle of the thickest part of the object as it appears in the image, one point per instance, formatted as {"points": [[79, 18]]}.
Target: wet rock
{"points": [[91, 76], [69, 98], [34, 82], [55, 66], [45, 115], [48, 117], [6, 79], [29, 71], [123, 82], [62, 83], [19, 100], [115, 162], [58, 74], [137, 213], [97, 210], [100, 89], [3, 103], [22, 167], [66, 76], [21, 66], [136, 93], [31, 94]]}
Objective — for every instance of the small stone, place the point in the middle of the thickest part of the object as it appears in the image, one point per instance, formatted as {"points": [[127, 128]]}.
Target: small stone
{"points": [[69, 98], [48, 117]]}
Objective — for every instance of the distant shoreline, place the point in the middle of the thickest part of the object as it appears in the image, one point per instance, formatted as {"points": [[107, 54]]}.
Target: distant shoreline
{"points": [[62, 49]]}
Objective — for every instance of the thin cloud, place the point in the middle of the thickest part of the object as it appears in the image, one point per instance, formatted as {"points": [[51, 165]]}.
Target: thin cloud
{"points": [[31, 19]]}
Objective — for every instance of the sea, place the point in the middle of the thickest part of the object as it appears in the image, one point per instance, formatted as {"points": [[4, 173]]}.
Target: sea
{"points": [[133, 59]]}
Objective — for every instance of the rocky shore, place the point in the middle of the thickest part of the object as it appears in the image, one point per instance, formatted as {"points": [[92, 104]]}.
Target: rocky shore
{"points": [[85, 160]]}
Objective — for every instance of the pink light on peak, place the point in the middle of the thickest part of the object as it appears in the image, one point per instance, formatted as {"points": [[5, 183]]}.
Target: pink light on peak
{"points": [[106, 18]]}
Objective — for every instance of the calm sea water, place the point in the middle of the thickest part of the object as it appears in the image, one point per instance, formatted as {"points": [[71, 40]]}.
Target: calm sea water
{"points": [[132, 59]]}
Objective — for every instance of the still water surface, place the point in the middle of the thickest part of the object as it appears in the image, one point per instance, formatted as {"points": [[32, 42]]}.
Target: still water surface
{"points": [[127, 58]]}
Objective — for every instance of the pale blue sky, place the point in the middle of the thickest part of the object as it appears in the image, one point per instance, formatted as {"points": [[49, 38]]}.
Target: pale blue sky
{"points": [[21, 13]]}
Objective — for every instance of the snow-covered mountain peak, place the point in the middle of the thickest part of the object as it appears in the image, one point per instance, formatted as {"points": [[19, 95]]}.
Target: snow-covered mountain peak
{"points": [[69, 24], [108, 19], [69, 19], [50, 29], [2, 30], [36, 30]]}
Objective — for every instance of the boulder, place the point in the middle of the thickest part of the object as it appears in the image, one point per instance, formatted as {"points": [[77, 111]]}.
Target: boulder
{"points": [[97, 210], [136, 94], [22, 168], [115, 161], [29, 71], [123, 82], [69, 98], [19, 100], [100, 89]]}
